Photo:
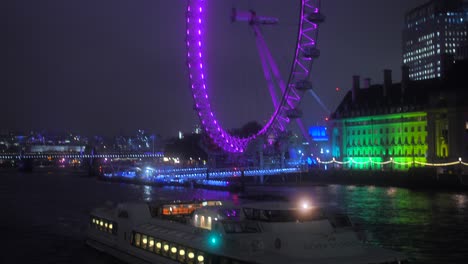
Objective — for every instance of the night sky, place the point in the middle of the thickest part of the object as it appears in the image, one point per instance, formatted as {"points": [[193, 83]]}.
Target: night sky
{"points": [[110, 67]]}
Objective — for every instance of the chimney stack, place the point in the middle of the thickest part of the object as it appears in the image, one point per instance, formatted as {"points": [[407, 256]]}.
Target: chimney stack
{"points": [[356, 87], [387, 82], [404, 78], [367, 83]]}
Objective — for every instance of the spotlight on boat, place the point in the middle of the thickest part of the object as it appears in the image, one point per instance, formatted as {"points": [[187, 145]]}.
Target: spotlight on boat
{"points": [[305, 204]]}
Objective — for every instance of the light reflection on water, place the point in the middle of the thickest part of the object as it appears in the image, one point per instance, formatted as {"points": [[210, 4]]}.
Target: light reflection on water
{"points": [[49, 212]]}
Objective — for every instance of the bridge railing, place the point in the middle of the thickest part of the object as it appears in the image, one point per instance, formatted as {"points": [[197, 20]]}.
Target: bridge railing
{"points": [[17, 156]]}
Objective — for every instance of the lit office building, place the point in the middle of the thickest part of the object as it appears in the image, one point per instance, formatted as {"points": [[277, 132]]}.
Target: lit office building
{"points": [[432, 30]]}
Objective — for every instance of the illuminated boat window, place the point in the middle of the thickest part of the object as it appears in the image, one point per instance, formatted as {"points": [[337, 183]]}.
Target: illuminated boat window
{"points": [[144, 241], [174, 251], [165, 250], [158, 247], [104, 225], [137, 239], [181, 256], [200, 259], [151, 244]]}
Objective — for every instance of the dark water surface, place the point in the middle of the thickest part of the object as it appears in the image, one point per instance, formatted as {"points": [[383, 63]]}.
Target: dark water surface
{"points": [[44, 215]]}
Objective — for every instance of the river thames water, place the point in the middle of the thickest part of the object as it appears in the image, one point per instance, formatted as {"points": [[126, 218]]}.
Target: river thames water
{"points": [[44, 215]]}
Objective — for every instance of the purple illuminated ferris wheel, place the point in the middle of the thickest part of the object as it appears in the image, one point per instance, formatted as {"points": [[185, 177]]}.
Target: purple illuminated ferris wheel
{"points": [[286, 105]]}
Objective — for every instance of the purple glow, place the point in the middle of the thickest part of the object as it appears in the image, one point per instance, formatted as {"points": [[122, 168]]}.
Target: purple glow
{"points": [[279, 119]]}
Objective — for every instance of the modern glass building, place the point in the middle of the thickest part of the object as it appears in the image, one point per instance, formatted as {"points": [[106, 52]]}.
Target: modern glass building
{"points": [[432, 30]]}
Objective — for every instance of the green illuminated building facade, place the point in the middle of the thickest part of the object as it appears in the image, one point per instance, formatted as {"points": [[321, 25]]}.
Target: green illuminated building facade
{"points": [[408, 123]]}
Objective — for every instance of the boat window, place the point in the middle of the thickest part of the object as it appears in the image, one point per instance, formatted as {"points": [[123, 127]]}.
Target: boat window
{"points": [[283, 215], [103, 225], [158, 247], [144, 241], [174, 250], [230, 213], [241, 227], [122, 214], [200, 258], [202, 221], [190, 256], [171, 250], [181, 254], [151, 244], [137, 239], [165, 248]]}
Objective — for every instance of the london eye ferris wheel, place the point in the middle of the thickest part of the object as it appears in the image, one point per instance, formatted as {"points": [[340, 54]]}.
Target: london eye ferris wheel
{"points": [[286, 104]]}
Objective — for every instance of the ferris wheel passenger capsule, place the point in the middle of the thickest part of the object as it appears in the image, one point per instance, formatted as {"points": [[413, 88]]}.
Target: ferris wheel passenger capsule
{"points": [[294, 113], [303, 85], [311, 52], [316, 18]]}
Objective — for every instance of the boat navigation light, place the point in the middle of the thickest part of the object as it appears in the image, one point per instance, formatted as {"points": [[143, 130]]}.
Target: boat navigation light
{"points": [[214, 240]]}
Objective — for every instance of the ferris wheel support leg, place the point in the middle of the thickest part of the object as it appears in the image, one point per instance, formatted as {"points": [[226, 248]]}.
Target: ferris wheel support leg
{"points": [[269, 57], [266, 72]]}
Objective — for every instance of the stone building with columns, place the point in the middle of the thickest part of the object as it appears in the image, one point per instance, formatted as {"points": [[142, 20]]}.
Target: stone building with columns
{"points": [[399, 125]]}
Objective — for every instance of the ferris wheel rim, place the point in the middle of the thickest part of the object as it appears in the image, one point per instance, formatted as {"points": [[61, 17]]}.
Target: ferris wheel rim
{"points": [[290, 98]]}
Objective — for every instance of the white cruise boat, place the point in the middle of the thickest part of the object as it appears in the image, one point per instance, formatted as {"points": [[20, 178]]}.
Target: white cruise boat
{"points": [[212, 232]]}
